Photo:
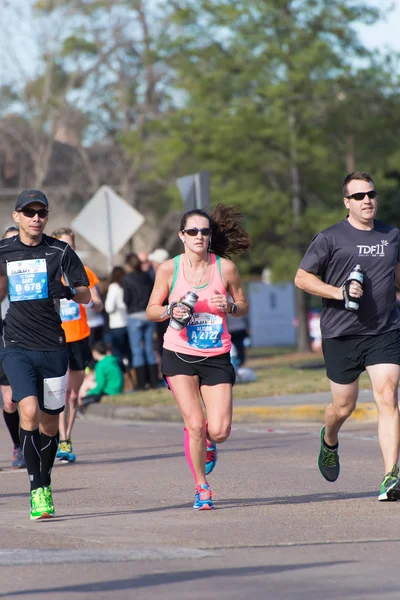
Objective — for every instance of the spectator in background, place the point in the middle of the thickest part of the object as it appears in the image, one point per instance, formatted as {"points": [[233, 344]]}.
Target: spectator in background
{"points": [[108, 376], [137, 286], [77, 335], [157, 257], [98, 320], [146, 265], [96, 323], [118, 317], [237, 327]]}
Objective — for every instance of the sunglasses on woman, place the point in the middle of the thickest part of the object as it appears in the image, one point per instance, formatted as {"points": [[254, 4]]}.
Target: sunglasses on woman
{"points": [[193, 231], [31, 212]]}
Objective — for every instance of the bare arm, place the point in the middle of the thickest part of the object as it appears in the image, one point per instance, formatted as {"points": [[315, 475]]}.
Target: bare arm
{"points": [[155, 310], [95, 298], [231, 279], [82, 295], [313, 285]]}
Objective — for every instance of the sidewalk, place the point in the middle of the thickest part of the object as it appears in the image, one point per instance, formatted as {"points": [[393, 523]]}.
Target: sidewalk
{"points": [[301, 407]]}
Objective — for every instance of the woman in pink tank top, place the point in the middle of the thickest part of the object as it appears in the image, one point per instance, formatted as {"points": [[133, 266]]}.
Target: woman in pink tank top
{"points": [[196, 358]]}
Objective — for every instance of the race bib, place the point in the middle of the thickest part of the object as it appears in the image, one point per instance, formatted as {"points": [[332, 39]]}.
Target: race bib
{"points": [[55, 392], [205, 331], [69, 310], [27, 279]]}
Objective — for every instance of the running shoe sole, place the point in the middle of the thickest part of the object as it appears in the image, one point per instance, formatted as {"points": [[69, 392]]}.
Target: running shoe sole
{"points": [[391, 495], [44, 515], [210, 466], [204, 507]]}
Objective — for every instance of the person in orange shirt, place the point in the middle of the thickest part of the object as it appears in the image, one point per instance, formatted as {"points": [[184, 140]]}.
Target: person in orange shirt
{"points": [[77, 331]]}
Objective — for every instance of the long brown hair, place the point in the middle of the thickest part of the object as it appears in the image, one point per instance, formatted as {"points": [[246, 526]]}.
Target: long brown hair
{"points": [[228, 235], [117, 275], [133, 262]]}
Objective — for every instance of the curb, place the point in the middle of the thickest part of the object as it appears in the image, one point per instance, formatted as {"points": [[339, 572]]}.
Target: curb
{"points": [[241, 414]]}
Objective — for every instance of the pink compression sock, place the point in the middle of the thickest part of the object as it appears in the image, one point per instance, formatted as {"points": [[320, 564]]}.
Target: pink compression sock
{"points": [[186, 445]]}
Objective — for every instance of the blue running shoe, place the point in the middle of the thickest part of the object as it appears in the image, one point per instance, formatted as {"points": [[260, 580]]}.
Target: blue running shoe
{"points": [[211, 458], [18, 459], [203, 498], [64, 452]]}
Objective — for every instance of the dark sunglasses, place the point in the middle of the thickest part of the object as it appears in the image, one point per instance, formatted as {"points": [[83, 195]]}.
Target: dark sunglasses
{"points": [[31, 212], [193, 231], [361, 195]]}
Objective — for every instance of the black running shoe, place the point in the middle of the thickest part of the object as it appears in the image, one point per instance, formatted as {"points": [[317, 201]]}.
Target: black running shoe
{"points": [[328, 461]]}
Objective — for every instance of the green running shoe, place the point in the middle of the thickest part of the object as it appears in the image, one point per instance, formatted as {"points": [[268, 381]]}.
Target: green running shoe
{"points": [[328, 461], [390, 487], [39, 506], [49, 500]]}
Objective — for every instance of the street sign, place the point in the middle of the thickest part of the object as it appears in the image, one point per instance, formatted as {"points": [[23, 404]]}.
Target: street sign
{"points": [[107, 221], [195, 191]]}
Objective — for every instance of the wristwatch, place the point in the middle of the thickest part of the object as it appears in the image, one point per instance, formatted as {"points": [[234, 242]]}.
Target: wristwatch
{"points": [[233, 309]]}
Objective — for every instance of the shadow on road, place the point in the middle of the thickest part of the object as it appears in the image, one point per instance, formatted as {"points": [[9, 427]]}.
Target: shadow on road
{"points": [[25, 494], [303, 499], [227, 504], [155, 579], [226, 449]]}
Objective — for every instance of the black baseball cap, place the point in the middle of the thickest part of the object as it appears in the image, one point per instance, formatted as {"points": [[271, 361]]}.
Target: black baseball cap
{"points": [[28, 196]]}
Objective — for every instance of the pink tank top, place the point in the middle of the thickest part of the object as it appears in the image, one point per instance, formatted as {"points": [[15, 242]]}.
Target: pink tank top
{"points": [[207, 333]]}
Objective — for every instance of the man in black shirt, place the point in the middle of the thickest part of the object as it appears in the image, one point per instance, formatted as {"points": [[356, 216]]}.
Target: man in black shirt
{"points": [[367, 338], [35, 357]]}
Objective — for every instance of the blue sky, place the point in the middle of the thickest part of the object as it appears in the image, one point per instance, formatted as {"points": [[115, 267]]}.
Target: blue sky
{"points": [[386, 33]]}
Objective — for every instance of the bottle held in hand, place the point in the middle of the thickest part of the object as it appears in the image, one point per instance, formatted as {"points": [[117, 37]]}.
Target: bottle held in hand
{"points": [[351, 302], [188, 301]]}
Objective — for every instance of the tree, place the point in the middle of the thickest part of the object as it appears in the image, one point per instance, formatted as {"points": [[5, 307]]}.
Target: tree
{"points": [[260, 81]]}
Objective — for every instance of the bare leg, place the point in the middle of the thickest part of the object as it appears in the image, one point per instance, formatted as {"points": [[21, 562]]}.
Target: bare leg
{"points": [[385, 380], [8, 405], [218, 402], [186, 391], [344, 399], [67, 417], [75, 381]]}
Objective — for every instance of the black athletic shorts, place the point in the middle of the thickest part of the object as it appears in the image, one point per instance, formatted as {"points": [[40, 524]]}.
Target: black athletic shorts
{"points": [[211, 371], [3, 376], [79, 354], [347, 356], [37, 373]]}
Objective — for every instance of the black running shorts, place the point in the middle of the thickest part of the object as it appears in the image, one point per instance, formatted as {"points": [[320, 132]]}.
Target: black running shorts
{"points": [[37, 373], [79, 354], [346, 357], [3, 376], [211, 371]]}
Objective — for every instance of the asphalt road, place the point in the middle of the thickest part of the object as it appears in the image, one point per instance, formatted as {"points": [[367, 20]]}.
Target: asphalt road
{"points": [[125, 527]]}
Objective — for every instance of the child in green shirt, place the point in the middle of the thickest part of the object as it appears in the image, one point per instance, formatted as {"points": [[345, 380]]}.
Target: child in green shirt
{"points": [[108, 376]]}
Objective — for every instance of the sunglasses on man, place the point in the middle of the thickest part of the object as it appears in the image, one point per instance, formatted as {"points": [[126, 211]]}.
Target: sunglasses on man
{"points": [[193, 231], [31, 212], [361, 195]]}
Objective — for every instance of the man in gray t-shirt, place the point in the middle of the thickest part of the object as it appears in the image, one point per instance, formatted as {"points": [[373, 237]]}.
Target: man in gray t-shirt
{"points": [[364, 339]]}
